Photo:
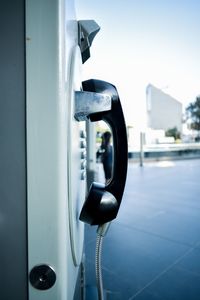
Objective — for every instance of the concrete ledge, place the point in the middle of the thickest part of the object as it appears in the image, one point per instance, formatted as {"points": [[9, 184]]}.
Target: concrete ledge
{"points": [[167, 152]]}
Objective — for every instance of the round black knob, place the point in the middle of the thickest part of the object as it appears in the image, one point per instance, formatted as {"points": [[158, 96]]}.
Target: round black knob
{"points": [[42, 277]]}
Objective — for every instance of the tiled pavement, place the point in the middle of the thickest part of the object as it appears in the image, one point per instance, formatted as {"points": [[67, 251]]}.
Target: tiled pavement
{"points": [[152, 250]]}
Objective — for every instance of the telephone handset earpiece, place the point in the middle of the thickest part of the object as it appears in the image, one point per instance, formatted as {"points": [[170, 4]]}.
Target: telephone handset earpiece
{"points": [[103, 201]]}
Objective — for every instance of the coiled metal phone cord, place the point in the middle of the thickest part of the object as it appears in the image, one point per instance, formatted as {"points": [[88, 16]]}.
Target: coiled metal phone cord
{"points": [[99, 279], [101, 231]]}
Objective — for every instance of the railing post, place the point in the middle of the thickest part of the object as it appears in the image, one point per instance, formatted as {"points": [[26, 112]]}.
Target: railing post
{"points": [[141, 149]]}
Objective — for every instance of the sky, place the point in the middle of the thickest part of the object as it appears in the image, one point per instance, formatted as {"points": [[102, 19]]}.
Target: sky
{"points": [[142, 42]]}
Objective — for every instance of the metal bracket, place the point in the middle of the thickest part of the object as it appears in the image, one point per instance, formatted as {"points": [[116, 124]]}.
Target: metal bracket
{"points": [[87, 103], [87, 31]]}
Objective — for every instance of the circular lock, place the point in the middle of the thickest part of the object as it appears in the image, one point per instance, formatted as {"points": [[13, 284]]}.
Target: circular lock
{"points": [[42, 277]]}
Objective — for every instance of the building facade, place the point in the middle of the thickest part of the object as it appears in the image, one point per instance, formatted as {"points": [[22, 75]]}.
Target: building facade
{"points": [[163, 111]]}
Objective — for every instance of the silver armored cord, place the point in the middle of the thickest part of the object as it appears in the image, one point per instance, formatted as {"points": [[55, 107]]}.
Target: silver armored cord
{"points": [[101, 231]]}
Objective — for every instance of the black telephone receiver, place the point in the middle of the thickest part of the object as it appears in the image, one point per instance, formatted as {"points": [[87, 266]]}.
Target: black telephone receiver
{"points": [[103, 201]]}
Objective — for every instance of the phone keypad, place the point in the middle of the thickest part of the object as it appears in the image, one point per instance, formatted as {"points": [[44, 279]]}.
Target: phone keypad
{"points": [[83, 155]]}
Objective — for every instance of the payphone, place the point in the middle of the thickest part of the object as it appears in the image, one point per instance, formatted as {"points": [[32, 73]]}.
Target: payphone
{"points": [[43, 148]]}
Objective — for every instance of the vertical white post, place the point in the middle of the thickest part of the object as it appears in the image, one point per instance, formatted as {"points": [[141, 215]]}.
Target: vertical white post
{"points": [[91, 152], [141, 149]]}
